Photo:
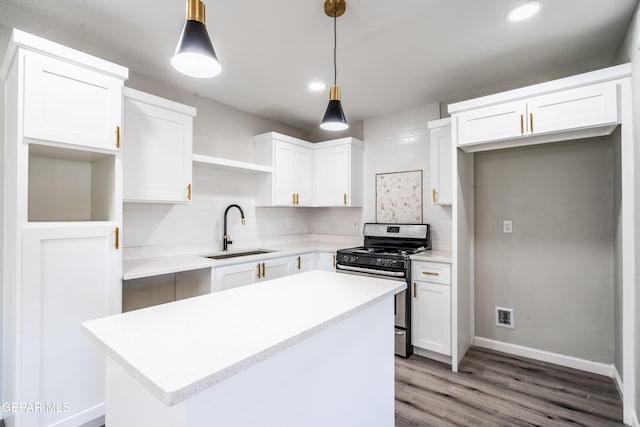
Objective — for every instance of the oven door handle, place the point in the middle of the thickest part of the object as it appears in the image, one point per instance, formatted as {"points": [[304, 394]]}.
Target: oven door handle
{"points": [[371, 271]]}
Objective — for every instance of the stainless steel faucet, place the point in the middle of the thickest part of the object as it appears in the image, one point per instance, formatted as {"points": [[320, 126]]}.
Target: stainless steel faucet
{"points": [[226, 240]]}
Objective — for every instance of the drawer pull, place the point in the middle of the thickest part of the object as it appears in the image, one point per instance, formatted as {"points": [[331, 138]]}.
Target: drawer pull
{"points": [[415, 293], [521, 124], [258, 275], [531, 122], [430, 273]]}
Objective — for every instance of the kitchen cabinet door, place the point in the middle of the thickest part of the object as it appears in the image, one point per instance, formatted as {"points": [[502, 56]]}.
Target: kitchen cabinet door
{"points": [[583, 107], [290, 184], [292, 175], [332, 177], [157, 149], [71, 104], [233, 276], [305, 262], [441, 173], [327, 261], [431, 317], [70, 274], [338, 173], [276, 268], [502, 121]]}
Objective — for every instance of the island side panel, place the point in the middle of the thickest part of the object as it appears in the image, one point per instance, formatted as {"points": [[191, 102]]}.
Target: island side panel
{"points": [[343, 375]]}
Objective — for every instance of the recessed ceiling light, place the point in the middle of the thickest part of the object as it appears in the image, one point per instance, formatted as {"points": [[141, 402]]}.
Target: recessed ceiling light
{"points": [[523, 11], [317, 86]]}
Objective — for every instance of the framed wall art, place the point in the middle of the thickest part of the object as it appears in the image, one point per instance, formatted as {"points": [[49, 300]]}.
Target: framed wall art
{"points": [[399, 197]]}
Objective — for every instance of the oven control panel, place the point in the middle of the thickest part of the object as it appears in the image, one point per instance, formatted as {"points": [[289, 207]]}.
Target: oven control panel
{"points": [[369, 261]]}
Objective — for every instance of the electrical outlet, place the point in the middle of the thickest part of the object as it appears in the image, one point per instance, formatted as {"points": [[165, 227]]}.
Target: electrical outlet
{"points": [[507, 226], [355, 224], [504, 317]]}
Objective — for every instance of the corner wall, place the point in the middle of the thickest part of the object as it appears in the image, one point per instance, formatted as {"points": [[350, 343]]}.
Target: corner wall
{"points": [[556, 268], [387, 150], [629, 51]]}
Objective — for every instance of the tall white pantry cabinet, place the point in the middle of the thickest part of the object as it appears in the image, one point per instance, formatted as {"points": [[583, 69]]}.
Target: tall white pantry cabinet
{"points": [[62, 215]]}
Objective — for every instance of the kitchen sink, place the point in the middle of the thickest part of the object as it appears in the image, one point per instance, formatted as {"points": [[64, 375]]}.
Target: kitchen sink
{"points": [[239, 254]]}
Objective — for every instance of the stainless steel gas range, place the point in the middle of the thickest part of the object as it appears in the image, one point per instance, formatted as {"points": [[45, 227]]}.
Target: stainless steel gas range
{"points": [[385, 253]]}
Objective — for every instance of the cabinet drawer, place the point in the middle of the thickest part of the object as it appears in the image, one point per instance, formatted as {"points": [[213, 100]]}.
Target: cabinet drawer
{"points": [[434, 272]]}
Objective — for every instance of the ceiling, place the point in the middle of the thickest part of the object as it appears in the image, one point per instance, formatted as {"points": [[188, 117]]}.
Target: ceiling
{"points": [[392, 55]]}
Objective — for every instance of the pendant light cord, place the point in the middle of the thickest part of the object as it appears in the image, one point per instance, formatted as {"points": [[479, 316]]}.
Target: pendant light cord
{"points": [[335, 45]]}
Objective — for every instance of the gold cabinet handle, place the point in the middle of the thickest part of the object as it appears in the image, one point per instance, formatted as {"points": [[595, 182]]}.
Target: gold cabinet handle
{"points": [[263, 269], [531, 122], [294, 198], [334, 260], [258, 275], [433, 195], [345, 199], [430, 273], [189, 192], [298, 263], [521, 124], [117, 136], [415, 292], [297, 198], [117, 238]]}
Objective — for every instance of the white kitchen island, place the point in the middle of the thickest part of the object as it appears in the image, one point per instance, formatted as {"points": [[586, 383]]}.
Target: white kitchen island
{"points": [[312, 349]]}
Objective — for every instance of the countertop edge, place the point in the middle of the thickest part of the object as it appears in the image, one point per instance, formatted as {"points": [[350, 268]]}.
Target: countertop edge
{"points": [[188, 391], [171, 398]]}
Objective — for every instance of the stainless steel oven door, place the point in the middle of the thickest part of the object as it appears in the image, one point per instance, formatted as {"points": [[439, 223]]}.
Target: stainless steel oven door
{"points": [[400, 298]]}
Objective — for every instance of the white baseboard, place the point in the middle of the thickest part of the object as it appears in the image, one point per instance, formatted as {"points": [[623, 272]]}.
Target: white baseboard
{"points": [[618, 380], [546, 356], [432, 355]]}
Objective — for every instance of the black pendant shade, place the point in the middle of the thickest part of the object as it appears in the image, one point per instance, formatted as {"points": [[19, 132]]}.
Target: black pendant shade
{"points": [[334, 118], [194, 55]]}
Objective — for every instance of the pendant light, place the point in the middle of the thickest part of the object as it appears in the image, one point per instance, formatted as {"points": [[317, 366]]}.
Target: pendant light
{"points": [[194, 54], [334, 118]]}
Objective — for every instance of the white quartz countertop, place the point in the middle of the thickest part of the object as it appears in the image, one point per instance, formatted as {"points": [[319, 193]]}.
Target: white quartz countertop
{"points": [[179, 349], [434, 255], [154, 266]]}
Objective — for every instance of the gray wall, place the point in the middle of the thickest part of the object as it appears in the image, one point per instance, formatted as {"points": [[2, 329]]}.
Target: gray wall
{"points": [[556, 269]]}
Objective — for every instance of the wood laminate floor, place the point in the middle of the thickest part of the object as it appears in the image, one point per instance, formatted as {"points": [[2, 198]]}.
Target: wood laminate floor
{"points": [[497, 389]]}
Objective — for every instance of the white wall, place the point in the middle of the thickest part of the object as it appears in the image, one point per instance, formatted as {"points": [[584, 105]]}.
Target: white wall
{"points": [[630, 51], [221, 131], [385, 153]]}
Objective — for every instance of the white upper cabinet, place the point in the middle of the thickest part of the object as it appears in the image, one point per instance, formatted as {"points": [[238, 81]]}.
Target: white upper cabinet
{"points": [[292, 161], [70, 104], [576, 107], [326, 173], [502, 121], [157, 148], [441, 173], [338, 172]]}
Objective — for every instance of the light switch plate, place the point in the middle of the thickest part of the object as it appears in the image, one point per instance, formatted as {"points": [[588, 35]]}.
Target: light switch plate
{"points": [[507, 226]]}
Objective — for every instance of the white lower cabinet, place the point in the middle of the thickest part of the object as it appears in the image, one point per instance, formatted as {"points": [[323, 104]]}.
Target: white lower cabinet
{"points": [[276, 268], [304, 263], [236, 275], [431, 307], [70, 274], [233, 276], [326, 261]]}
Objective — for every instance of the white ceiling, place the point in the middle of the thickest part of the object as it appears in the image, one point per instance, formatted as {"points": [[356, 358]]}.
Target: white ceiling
{"points": [[392, 55]]}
